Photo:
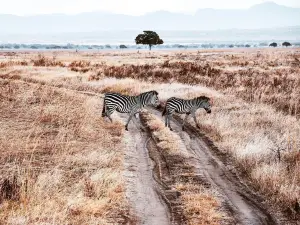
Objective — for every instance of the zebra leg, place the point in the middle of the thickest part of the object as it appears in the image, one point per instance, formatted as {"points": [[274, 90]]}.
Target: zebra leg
{"points": [[108, 116], [186, 116], [108, 112], [166, 120], [169, 118], [130, 117], [194, 116], [103, 110], [137, 119]]}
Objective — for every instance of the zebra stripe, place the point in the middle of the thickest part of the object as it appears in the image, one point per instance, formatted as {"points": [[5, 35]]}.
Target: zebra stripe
{"points": [[128, 104], [187, 107]]}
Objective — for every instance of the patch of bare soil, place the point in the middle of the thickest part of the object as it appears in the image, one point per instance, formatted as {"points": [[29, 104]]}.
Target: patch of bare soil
{"points": [[142, 191]]}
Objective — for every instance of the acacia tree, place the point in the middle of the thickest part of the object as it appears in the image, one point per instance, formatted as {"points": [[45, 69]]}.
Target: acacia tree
{"points": [[274, 44], [148, 38], [286, 44]]}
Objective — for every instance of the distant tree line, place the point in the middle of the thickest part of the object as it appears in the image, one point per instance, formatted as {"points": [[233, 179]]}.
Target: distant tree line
{"points": [[122, 46], [285, 44]]}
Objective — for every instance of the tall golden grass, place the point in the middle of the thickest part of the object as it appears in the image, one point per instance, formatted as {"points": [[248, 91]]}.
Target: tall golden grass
{"points": [[256, 102], [278, 86], [60, 162]]}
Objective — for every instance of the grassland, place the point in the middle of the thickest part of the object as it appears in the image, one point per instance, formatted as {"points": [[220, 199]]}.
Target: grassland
{"points": [[60, 162], [46, 136]]}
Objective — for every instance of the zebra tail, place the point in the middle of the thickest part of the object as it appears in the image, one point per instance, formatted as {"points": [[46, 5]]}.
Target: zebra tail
{"points": [[103, 110], [164, 112]]}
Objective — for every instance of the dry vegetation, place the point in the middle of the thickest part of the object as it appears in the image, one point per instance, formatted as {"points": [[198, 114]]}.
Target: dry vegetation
{"points": [[60, 162], [255, 118], [269, 78]]}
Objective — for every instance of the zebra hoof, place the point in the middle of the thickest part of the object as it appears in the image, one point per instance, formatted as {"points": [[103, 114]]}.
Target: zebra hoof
{"points": [[126, 128], [183, 129], [171, 129]]}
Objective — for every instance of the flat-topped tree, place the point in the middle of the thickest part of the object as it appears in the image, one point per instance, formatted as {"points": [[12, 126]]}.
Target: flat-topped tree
{"points": [[148, 38], [286, 44]]}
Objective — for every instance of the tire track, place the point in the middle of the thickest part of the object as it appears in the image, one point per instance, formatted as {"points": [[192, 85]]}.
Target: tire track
{"points": [[241, 203], [142, 191]]}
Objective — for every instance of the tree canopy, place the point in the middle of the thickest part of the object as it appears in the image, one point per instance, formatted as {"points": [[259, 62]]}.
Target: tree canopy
{"points": [[123, 46], [286, 44], [274, 44], [149, 38]]}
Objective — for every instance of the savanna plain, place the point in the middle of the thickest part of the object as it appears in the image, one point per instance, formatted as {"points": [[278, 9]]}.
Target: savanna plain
{"points": [[62, 163]]}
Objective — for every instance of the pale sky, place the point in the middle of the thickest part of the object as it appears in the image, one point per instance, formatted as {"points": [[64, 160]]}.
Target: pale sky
{"points": [[130, 7]]}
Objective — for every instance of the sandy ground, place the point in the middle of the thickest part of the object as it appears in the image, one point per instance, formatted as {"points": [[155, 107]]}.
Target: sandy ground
{"points": [[239, 202], [142, 190]]}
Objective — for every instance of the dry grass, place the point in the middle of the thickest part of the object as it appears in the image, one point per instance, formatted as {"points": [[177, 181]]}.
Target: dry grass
{"points": [[255, 111], [60, 162], [271, 78], [41, 60], [166, 140], [200, 205], [252, 134]]}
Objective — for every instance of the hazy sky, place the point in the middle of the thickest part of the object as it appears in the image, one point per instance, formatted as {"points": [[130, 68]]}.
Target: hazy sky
{"points": [[132, 7]]}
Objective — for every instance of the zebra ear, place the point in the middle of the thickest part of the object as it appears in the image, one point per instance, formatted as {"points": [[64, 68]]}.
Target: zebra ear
{"points": [[155, 92]]}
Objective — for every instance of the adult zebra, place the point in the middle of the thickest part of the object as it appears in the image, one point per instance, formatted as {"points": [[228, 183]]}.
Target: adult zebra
{"points": [[185, 107], [128, 104]]}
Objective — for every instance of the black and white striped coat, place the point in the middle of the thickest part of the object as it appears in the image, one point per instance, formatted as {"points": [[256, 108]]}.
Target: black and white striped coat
{"points": [[187, 107], [128, 104]]}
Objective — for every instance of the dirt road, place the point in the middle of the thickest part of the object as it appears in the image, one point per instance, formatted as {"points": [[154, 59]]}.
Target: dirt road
{"points": [[142, 190], [240, 203], [243, 205]]}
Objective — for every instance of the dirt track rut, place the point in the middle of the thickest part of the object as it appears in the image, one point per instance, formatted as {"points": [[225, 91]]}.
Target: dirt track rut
{"points": [[142, 191], [244, 206]]}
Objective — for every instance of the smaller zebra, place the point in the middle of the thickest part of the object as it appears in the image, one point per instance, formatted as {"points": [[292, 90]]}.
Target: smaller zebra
{"points": [[128, 104], [185, 107]]}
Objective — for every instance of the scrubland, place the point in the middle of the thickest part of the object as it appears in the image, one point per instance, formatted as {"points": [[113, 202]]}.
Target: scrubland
{"points": [[62, 162]]}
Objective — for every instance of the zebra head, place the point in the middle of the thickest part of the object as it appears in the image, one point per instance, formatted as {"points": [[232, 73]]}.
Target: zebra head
{"points": [[203, 102], [150, 98]]}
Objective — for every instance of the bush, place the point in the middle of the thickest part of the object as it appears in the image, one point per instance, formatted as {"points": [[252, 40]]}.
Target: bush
{"points": [[123, 46], [274, 44], [286, 44]]}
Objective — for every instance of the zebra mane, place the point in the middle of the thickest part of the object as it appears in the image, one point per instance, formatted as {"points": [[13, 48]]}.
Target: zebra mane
{"points": [[203, 98], [155, 92], [152, 92]]}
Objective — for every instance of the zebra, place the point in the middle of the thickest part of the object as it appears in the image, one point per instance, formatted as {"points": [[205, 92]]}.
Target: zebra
{"points": [[185, 107], [128, 104]]}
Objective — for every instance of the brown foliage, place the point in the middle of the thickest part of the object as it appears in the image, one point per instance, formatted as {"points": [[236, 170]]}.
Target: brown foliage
{"points": [[9, 189], [13, 63], [81, 66], [278, 87], [42, 60]]}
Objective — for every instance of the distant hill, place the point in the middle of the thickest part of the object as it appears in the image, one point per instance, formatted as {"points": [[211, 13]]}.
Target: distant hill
{"points": [[265, 15]]}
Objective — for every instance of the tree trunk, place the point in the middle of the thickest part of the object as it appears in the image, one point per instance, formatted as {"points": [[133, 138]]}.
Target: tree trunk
{"points": [[150, 47]]}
